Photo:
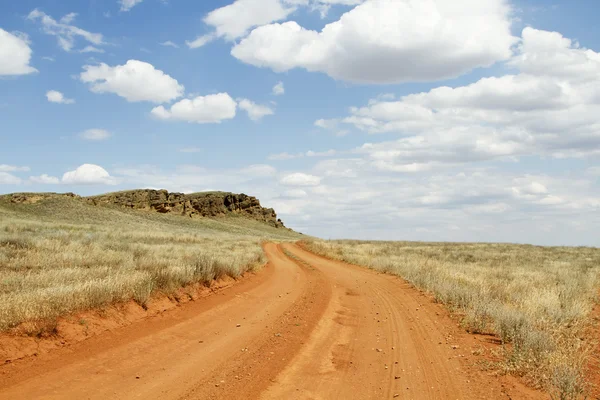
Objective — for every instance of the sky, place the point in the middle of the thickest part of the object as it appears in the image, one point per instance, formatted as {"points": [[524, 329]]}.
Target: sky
{"points": [[470, 120]]}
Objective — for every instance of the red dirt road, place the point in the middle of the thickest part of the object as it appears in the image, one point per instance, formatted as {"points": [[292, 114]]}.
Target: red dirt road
{"points": [[316, 329]]}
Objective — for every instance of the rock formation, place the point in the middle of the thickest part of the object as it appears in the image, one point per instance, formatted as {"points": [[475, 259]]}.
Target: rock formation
{"points": [[208, 204]]}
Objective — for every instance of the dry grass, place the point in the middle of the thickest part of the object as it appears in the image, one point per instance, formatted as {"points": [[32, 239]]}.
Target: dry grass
{"points": [[536, 300], [60, 256]]}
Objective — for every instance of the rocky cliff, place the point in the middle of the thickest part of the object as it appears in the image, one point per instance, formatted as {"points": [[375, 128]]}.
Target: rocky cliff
{"points": [[208, 204]]}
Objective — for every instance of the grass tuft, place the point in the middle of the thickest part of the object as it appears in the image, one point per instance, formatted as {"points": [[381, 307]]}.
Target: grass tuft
{"points": [[60, 255], [536, 300]]}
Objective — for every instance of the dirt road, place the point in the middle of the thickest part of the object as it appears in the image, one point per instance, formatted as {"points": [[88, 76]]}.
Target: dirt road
{"points": [[310, 329]]}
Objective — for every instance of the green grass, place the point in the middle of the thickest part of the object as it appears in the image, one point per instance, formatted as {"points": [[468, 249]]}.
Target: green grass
{"points": [[60, 255], [536, 300]]}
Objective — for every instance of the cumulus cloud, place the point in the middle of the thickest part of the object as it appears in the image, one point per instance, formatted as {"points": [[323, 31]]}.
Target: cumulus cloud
{"points": [[95, 135], [278, 89], [300, 179], [15, 54], [389, 41], [127, 5], [543, 110], [210, 109], [134, 81], [9, 179], [45, 179], [256, 112], [65, 33], [55, 96], [88, 174], [234, 20]]}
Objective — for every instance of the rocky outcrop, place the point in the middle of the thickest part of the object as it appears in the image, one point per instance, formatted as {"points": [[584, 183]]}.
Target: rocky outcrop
{"points": [[209, 204], [32, 198]]}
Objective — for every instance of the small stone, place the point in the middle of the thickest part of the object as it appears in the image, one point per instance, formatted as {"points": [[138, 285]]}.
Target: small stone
{"points": [[238, 325], [396, 377], [379, 350], [396, 395], [137, 377], [455, 346]]}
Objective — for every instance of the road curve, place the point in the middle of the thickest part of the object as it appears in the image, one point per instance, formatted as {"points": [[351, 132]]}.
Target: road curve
{"points": [[302, 328]]}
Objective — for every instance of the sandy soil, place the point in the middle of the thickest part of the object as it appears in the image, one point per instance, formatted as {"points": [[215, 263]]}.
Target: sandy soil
{"points": [[317, 329]]}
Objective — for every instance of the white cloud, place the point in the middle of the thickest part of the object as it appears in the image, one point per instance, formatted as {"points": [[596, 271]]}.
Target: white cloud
{"points": [[13, 168], [256, 112], [209, 109], [278, 89], [88, 174], [55, 96], [544, 53], [235, 20], [169, 43], [389, 41], [91, 49], [200, 41], [64, 32], [332, 125], [134, 81], [553, 112], [329, 124], [9, 179], [95, 135], [300, 179], [45, 179], [127, 5], [15, 54]]}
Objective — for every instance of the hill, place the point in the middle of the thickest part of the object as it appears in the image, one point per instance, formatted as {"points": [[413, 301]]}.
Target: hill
{"points": [[61, 253]]}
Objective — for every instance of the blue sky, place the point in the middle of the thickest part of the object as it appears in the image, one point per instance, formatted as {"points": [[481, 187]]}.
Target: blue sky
{"points": [[370, 119]]}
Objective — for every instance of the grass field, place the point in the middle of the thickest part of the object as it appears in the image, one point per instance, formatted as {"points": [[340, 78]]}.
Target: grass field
{"points": [[61, 255], [536, 300]]}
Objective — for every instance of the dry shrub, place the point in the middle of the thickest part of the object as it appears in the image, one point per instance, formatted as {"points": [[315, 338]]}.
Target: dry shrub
{"points": [[58, 257]]}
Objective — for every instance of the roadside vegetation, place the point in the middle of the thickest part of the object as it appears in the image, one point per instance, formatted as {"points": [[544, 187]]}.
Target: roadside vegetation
{"points": [[536, 300], [60, 255]]}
